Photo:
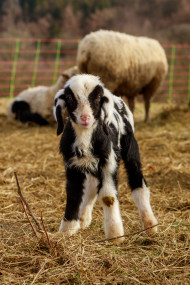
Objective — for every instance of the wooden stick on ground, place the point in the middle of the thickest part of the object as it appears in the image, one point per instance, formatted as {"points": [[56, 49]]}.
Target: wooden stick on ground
{"points": [[45, 230], [28, 218], [139, 232], [52, 248], [27, 206]]}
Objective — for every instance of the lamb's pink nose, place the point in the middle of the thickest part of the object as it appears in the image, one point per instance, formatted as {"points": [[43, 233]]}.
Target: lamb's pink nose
{"points": [[84, 118]]}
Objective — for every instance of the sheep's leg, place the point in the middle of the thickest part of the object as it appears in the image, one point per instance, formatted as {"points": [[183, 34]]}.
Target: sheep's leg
{"points": [[148, 92], [74, 188], [131, 103], [88, 200], [140, 191], [147, 106]]}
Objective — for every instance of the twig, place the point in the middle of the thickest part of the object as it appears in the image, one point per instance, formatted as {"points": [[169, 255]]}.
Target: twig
{"points": [[139, 232], [27, 206], [28, 218], [52, 248], [45, 230]]}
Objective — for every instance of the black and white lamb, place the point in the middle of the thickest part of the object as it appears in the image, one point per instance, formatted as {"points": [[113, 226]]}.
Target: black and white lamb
{"points": [[98, 132]]}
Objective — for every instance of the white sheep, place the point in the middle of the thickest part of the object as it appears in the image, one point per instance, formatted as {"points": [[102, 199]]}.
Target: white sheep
{"points": [[127, 65], [35, 104]]}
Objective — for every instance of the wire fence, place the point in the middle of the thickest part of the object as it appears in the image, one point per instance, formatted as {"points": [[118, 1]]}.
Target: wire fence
{"points": [[31, 62]]}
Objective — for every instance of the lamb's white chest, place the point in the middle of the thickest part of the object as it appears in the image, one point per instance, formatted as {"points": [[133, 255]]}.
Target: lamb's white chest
{"points": [[84, 158], [87, 161]]}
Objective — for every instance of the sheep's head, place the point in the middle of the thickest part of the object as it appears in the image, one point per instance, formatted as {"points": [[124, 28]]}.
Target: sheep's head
{"points": [[86, 101], [68, 73]]}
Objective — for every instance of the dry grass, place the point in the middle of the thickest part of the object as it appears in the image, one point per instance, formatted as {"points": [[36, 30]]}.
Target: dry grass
{"points": [[163, 258]]}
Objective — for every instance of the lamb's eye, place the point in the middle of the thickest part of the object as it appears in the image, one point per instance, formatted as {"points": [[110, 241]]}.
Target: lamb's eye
{"points": [[69, 100], [98, 98]]}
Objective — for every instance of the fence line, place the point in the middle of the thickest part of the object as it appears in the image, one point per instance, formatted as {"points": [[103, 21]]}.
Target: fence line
{"points": [[171, 74], [14, 68], [36, 62], [189, 87], [57, 61], [29, 62]]}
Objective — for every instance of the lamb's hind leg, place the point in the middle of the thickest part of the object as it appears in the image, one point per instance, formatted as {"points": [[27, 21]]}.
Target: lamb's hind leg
{"points": [[141, 198], [140, 191]]}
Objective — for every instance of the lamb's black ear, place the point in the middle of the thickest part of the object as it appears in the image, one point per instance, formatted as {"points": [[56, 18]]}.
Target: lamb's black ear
{"points": [[59, 105], [107, 110], [59, 117]]}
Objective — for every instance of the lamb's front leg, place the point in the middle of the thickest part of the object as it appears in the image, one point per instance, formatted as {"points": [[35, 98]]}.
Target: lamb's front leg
{"points": [[88, 200], [74, 188], [113, 225]]}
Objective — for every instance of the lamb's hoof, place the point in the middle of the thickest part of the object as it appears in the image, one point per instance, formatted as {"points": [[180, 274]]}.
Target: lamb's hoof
{"points": [[85, 223], [114, 234], [86, 218], [151, 226], [117, 240], [69, 227]]}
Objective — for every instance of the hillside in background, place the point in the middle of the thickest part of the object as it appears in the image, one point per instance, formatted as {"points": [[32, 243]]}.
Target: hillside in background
{"points": [[166, 20]]}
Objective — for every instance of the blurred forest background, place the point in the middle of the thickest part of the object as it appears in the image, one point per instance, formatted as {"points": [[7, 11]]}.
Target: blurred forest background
{"points": [[166, 20], [39, 38]]}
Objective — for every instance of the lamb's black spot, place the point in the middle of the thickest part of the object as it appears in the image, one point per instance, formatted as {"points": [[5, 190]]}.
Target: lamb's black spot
{"points": [[71, 102], [95, 99]]}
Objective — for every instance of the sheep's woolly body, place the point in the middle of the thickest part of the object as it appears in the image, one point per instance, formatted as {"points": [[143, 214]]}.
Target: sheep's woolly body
{"points": [[126, 64]]}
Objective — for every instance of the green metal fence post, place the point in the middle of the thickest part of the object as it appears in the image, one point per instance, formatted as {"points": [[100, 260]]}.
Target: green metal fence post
{"points": [[189, 87], [36, 63], [57, 61], [171, 73], [14, 69]]}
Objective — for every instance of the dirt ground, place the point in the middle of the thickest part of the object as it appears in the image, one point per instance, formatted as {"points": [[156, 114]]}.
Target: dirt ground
{"points": [[163, 258]]}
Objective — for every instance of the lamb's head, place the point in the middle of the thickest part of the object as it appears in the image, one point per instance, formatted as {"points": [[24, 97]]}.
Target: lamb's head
{"points": [[86, 101]]}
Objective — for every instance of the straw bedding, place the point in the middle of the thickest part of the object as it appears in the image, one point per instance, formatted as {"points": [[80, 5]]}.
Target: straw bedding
{"points": [[163, 258]]}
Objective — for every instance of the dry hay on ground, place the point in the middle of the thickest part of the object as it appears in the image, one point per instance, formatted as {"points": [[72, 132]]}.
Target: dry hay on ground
{"points": [[163, 258]]}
